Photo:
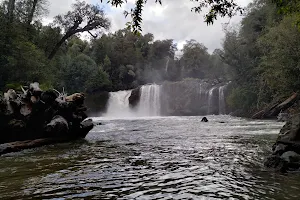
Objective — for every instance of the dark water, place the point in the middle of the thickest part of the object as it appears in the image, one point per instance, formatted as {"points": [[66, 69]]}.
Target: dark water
{"points": [[154, 158]]}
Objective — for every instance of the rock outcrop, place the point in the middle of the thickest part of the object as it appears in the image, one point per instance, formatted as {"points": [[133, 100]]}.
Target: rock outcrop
{"points": [[286, 150], [35, 114], [135, 97]]}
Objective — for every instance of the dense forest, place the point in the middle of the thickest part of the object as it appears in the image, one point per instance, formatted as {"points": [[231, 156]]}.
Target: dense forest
{"points": [[260, 57], [263, 52], [56, 56]]}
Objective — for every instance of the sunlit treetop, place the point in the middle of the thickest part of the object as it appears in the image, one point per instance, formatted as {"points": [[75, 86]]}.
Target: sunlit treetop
{"points": [[216, 8]]}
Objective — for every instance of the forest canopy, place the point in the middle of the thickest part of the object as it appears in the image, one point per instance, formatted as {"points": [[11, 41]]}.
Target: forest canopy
{"points": [[260, 57], [108, 61]]}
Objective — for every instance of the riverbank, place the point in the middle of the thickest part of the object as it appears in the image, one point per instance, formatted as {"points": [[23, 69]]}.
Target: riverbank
{"points": [[31, 113]]}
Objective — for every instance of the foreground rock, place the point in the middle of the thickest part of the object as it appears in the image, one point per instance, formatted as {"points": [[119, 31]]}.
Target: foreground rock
{"points": [[135, 97], [35, 114], [286, 150]]}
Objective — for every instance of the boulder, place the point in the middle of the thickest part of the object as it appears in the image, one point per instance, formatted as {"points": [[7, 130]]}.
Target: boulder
{"points": [[134, 97], [290, 156], [290, 132], [204, 119], [276, 163], [286, 150], [58, 126], [85, 127]]}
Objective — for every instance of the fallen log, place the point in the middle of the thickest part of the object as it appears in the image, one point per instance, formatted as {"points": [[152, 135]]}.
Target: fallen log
{"points": [[282, 106], [31, 114], [273, 110]]}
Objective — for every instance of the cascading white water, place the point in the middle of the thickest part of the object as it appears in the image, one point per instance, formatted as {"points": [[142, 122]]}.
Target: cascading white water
{"points": [[210, 100], [167, 64], [149, 104], [200, 90], [222, 100], [118, 105]]}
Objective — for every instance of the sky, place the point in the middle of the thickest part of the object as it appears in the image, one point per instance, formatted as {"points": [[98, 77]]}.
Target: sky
{"points": [[171, 20]]}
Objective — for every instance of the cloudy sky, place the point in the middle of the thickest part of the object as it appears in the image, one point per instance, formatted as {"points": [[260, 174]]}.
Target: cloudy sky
{"points": [[172, 20]]}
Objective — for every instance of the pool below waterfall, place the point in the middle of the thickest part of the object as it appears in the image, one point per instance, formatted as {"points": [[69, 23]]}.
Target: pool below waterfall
{"points": [[153, 158]]}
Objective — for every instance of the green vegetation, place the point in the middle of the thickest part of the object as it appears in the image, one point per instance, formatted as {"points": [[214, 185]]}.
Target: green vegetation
{"points": [[260, 57], [264, 54], [56, 56]]}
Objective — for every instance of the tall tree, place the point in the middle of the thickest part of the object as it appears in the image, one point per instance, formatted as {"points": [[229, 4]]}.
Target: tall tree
{"points": [[31, 12], [28, 10], [195, 59], [10, 10], [83, 18]]}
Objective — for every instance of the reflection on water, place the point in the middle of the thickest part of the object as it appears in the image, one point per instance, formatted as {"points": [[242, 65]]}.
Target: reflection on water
{"points": [[153, 158]]}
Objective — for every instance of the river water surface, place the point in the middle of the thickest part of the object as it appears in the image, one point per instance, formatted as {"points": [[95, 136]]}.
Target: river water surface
{"points": [[153, 158]]}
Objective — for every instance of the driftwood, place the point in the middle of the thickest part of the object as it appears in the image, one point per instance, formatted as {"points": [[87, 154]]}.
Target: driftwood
{"points": [[33, 114], [28, 144]]}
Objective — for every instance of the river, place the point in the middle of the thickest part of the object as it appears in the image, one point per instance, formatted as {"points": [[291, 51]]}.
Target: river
{"points": [[153, 158]]}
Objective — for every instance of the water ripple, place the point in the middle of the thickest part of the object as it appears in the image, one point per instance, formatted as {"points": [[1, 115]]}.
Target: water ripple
{"points": [[155, 158]]}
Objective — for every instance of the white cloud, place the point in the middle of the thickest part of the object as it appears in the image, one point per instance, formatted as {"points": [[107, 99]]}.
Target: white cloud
{"points": [[171, 20], [174, 20], [57, 7]]}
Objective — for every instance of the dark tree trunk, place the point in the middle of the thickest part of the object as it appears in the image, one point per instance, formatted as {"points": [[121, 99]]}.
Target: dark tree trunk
{"points": [[31, 13], [55, 49], [9, 28], [11, 8], [72, 31]]}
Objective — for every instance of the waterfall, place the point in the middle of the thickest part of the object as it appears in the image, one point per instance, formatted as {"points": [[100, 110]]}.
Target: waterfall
{"points": [[118, 104], [179, 98], [167, 64], [222, 100], [210, 100], [202, 93], [149, 104], [200, 90]]}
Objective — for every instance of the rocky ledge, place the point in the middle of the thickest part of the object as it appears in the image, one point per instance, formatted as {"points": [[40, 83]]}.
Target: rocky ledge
{"points": [[286, 150], [34, 117]]}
